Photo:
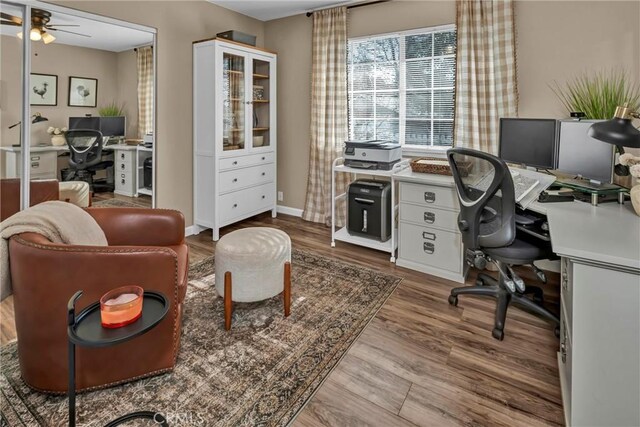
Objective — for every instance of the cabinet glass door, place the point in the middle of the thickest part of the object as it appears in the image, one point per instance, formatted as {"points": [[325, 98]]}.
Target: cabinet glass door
{"points": [[234, 95], [261, 103]]}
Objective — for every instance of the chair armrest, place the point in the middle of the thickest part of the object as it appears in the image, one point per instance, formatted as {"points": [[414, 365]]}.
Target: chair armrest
{"points": [[140, 226]]}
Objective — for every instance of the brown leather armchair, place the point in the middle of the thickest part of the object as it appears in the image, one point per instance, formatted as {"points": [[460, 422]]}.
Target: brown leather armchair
{"points": [[146, 248], [40, 191]]}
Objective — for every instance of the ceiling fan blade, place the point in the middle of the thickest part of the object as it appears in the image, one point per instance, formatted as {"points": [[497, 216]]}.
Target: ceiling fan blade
{"points": [[70, 32], [11, 18], [11, 23]]}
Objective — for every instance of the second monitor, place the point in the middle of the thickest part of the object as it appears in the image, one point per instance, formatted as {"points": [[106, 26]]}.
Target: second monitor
{"points": [[530, 142]]}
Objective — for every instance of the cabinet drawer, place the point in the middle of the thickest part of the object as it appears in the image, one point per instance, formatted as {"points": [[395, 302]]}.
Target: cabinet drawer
{"points": [[244, 161], [124, 156], [429, 195], [124, 166], [242, 178], [240, 203], [429, 216], [430, 246], [43, 164], [566, 288], [124, 182]]}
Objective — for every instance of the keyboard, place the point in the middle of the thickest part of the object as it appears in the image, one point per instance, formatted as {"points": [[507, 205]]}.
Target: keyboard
{"points": [[522, 185]]}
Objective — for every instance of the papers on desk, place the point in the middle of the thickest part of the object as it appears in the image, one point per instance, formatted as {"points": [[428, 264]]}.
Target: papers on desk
{"points": [[544, 182]]}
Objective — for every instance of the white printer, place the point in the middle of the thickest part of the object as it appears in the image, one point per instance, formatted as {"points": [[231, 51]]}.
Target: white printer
{"points": [[372, 154]]}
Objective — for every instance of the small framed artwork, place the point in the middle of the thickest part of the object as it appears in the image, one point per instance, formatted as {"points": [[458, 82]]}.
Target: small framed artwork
{"points": [[83, 92], [44, 89]]}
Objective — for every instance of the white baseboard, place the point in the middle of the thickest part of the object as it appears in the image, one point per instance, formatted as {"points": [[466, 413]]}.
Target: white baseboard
{"points": [[286, 210], [190, 231]]}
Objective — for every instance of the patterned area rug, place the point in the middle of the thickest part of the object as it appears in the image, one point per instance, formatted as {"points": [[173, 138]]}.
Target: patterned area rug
{"points": [[260, 373], [117, 203]]}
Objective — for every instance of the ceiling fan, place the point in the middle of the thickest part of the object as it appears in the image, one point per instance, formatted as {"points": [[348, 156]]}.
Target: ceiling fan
{"points": [[39, 25]]}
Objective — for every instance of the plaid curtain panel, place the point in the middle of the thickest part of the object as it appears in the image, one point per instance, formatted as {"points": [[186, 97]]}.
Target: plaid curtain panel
{"points": [[486, 80], [145, 90], [329, 126]]}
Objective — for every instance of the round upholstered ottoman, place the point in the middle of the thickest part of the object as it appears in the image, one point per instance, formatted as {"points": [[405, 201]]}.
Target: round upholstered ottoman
{"points": [[253, 264]]}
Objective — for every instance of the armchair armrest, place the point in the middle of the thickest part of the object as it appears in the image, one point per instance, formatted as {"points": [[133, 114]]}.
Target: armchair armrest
{"points": [[140, 226]]}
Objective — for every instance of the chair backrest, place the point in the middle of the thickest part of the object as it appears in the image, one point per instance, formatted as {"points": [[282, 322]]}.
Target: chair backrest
{"points": [[487, 201], [85, 147]]}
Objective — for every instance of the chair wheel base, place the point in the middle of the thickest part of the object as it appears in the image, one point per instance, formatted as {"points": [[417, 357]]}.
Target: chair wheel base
{"points": [[498, 334], [453, 300]]}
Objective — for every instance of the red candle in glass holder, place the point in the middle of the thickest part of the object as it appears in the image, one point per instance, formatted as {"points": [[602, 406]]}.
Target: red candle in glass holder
{"points": [[121, 306]]}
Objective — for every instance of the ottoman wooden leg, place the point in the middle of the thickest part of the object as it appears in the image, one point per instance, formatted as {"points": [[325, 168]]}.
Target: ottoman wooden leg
{"points": [[228, 304], [286, 294]]}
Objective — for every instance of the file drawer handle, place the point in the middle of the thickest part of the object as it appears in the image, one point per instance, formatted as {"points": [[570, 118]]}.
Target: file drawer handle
{"points": [[122, 181], [428, 236], [122, 166], [428, 248], [35, 165], [429, 217], [429, 196], [122, 156], [34, 158]]}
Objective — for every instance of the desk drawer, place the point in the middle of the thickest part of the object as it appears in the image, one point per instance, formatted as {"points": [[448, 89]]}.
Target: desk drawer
{"points": [[244, 161], [124, 183], [240, 203], [247, 177], [124, 156], [566, 288], [43, 164], [430, 246], [429, 195], [429, 216]]}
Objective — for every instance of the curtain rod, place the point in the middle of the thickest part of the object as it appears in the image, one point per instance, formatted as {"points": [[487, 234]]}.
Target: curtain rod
{"points": [[355, 5]]}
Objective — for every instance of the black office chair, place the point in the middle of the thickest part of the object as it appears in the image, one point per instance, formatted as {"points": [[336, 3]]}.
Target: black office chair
{"points": [[85, 148], [487, 222]]}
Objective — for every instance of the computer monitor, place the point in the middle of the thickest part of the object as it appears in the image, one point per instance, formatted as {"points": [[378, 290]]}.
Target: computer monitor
{"points": [[112, 126], [579, 154], [92, 123], [531, 142]]}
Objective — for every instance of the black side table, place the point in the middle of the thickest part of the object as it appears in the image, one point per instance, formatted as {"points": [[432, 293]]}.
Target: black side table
{"points": [[86, 330]]}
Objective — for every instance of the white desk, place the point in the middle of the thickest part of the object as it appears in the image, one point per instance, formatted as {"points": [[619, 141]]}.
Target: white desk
{"points": [[128, 165], [599, 357]]}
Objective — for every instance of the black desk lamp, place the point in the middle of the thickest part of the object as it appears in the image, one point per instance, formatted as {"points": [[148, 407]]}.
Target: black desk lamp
{"points": [[37, 118], [619, 130]]}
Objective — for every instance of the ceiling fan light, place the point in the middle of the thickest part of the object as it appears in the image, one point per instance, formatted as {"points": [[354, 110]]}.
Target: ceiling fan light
{"points": [[48, 38], [35, 34]]}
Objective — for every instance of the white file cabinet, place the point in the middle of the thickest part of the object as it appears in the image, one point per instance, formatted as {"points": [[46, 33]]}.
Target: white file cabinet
{"points": [[125, 169], [428, 237], [44, 162]]}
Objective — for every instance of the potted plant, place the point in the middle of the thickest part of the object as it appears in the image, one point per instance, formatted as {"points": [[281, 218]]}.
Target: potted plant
{"points": [[112, 116], [57, 136]]}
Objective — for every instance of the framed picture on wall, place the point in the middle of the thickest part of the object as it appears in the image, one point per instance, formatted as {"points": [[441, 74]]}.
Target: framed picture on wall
{"points": [[44, 89], [83, 92]]}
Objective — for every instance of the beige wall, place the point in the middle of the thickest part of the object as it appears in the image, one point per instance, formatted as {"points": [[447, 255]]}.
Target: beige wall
{"points": [[60, 60], [179, 23], [555, 40]]}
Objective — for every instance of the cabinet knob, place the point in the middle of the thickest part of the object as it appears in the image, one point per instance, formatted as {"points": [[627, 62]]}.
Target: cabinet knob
{"points": [[235, 180], [263, 196], [122, 166], [122, 155], [122, 181], [264, 173], [264, 158], [235, 163], [235, 205]]}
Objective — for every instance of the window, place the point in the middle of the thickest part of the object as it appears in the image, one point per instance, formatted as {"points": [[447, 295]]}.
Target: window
{"points": [[401, 87]]}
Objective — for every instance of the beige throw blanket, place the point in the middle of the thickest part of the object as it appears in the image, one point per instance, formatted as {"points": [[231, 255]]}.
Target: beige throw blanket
{"points": [[59, 222]]}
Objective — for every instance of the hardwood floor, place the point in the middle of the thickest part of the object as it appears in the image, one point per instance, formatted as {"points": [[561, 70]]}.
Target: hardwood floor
{"points": [[421, 361]]}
